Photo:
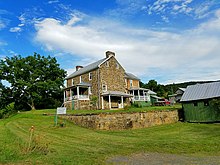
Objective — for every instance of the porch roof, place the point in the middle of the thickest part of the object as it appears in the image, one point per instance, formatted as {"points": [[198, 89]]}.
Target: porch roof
{"points": [[143, 89], [116, 93]]}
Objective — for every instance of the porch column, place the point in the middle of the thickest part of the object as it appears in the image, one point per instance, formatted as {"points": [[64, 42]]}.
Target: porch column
{"points": [[64, 96], [122, 102], [144, 95], [78, 92], [102, 102], [109, 101], [71, 96], [139, 94]]}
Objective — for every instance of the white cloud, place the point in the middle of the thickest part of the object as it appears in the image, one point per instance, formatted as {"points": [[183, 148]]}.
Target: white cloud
{"points": [[190, 55], [2, 24], [15, 29], [51, 2]]}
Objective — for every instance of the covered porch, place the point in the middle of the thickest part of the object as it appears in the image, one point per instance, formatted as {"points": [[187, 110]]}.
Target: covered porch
{"points": [[114, 100], [141, 94], [80, 91]]}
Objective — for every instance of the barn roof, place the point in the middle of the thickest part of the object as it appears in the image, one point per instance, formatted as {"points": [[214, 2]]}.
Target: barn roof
{"points": [[201, 91]]}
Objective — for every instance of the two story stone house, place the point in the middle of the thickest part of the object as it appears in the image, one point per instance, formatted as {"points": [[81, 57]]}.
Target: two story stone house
{"points": [[103, 85]]}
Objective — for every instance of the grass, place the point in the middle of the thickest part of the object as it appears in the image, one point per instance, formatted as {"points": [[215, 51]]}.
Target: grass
{"points": [[76, 145], [132, 109]]}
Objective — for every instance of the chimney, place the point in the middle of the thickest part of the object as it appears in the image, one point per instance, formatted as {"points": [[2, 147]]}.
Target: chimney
{"points": [[78, 67], [109, 54]]}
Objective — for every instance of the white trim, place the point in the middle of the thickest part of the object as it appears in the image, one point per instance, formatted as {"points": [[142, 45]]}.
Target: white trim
{"points": [[109, 102], [90, 75], [104, 89], [80, 79]]}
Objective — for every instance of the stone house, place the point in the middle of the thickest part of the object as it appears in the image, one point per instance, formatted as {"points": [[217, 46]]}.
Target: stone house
{"points": [[102, 85]]}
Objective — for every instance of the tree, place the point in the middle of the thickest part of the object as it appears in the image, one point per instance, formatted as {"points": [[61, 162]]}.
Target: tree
{"points": [[32, 78]]}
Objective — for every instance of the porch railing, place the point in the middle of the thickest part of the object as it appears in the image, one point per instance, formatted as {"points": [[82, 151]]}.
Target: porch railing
{"points": [[75, 97], [141, 98]]}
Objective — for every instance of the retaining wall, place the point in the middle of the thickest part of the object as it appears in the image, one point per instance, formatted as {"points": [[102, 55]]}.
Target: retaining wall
{"points": [[119, 121]]}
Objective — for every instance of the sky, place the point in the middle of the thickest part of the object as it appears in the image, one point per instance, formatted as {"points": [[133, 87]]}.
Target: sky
{"points": [[170, 41]]}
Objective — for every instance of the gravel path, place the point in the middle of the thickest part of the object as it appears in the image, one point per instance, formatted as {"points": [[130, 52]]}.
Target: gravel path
{"points": [[164, 159]]}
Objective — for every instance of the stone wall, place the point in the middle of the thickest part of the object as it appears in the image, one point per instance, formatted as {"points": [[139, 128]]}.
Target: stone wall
{"points": [[120, 121]]}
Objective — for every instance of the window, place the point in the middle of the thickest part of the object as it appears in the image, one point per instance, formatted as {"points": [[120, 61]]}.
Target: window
{"points": [[80, 79], [131, 83], [117, 65], [104, 87], [90, 90], [72, 82], [107, 64], [206, 103], [90, 76], [195, 104], [126, 83]]}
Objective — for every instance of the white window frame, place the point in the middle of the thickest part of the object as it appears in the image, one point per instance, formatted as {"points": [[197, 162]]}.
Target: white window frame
{"points": [[90, 90], [72, 82], [107, 64], [104, 88], [117, 65], [131, 83], [80, 79], [90, 75]]}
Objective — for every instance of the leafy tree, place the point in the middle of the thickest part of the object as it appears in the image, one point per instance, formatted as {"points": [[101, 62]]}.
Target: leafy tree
{"points": [[33, 79]]}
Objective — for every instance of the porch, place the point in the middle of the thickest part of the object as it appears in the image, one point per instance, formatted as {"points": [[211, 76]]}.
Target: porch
{"points": [[140, 94], [78, 92], [114, 100]]}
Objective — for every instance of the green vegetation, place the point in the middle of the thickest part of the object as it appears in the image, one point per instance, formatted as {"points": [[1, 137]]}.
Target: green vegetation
{"points": [[35, 82], [127, 109], [72, 144]]}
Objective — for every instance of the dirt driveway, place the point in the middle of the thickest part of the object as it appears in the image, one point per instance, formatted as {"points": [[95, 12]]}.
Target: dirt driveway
{"points": [[164, 159]]}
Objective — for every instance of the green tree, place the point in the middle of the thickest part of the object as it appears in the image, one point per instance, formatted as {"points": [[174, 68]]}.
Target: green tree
{"points": [[32, 78]]}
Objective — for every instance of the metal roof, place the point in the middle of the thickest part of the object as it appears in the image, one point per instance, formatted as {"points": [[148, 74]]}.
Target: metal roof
{"points": [[144, 89], [182, 89], [201, 91], [131, 76], [87, 68], [116, 93]]}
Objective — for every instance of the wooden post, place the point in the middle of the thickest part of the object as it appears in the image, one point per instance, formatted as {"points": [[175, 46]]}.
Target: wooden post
{"points": [[109, 101]]}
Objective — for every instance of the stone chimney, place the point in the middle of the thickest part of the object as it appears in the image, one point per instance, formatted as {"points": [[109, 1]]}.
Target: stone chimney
{"points": [[78, 67], [109, 54]]}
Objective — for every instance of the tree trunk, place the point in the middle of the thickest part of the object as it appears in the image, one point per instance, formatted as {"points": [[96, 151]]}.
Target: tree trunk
{"points": [[32, 105]]}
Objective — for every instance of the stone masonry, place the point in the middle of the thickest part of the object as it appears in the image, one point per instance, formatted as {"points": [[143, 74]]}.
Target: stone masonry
{"points": [[120, 121]]}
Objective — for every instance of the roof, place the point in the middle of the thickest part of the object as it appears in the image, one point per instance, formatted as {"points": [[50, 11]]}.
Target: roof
{"points": [[87, 68], [182, 89], [116, 93], [156, 97], [144, 89], [201, 91], [131, 76]]}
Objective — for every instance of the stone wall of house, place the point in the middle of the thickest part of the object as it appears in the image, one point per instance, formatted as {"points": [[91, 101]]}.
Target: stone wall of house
{"points": [[112, 75], [120, 121]]}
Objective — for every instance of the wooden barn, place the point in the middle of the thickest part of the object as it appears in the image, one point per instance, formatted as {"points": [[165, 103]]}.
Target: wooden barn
{"points": [[201, 102]]}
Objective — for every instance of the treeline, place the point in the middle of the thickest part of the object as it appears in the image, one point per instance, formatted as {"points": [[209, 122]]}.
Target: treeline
{"points": [[33, 82], [165, 90]]}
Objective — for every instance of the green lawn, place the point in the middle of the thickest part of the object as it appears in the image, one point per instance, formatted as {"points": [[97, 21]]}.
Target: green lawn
{"points": [[76, 145], [132, 109]]}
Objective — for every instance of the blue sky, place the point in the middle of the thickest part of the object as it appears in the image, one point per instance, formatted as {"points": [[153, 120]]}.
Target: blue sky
{"points": [[167, 40]]}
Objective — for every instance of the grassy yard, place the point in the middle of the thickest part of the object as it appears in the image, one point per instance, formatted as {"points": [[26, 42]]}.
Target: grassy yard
{"points": [[132, 109], [76, 145]]}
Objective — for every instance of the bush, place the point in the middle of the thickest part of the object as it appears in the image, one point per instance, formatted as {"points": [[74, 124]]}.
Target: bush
{"points": [[7, 111]]}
